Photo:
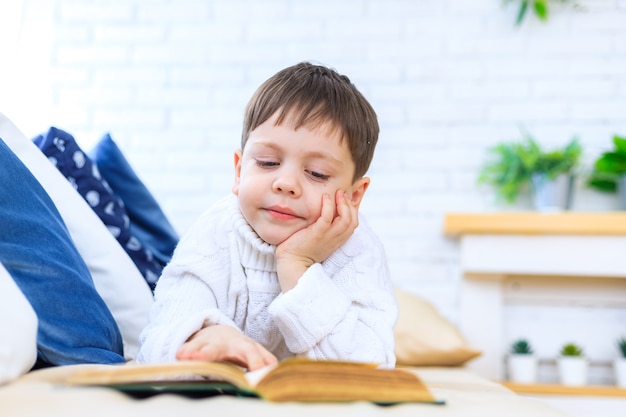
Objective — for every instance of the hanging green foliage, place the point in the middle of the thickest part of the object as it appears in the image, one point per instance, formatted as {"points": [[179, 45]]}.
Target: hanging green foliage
{"points": [[539, 7]]}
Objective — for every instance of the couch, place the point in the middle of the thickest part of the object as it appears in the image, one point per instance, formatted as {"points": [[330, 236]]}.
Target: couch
{"points": [[70, 293]]}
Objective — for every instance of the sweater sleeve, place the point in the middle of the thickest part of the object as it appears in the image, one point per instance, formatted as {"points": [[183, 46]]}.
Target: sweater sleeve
{"points": [[344, 308], [192, 292], [183, 305]]}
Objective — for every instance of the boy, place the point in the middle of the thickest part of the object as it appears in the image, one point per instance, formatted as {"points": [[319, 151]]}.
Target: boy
{"points": [[280, 267]]}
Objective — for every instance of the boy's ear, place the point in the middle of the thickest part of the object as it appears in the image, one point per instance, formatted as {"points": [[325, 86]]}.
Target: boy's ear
{"points": [[358, 190], [237, 161]]}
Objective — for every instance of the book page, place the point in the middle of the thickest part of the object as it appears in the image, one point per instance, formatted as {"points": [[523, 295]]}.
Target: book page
{"points": [[300, 379], [175, 371], [254, 377]]}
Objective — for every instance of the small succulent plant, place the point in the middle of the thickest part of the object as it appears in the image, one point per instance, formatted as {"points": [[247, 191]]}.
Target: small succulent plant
{"points": [[572, 349], [621, 344], [521, 347]]}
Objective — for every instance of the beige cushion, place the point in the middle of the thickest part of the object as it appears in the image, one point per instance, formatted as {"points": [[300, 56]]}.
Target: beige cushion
{"points": [[426, 338]]}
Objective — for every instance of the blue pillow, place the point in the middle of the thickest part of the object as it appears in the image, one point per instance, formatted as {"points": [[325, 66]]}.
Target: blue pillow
{"points": [[147, 220], [62, 150], [75, 325]]}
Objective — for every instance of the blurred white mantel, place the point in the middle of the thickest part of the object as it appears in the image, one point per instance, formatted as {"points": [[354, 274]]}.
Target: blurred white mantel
{"points": [[572, 250]]}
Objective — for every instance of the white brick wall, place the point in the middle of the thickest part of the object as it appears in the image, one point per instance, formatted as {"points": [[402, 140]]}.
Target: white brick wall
{"points": [[170, 79]]}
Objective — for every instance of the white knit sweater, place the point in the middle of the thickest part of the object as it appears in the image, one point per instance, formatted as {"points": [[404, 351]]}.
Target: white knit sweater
{"points": [[223, 273]]}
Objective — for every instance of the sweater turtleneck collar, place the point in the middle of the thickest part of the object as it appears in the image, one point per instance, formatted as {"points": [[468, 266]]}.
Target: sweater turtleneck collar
{"points": [[254, 252]]}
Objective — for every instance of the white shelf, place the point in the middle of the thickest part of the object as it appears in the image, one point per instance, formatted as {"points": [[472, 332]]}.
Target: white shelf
{"points": [[579, 254]]}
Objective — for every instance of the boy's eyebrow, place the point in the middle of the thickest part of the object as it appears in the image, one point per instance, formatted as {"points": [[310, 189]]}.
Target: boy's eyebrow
{"points": [[327, 157], [314, 154]]}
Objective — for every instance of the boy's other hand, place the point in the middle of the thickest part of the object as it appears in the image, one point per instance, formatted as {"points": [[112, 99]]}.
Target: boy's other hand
{"points": [[316, 242], [221, 343]]}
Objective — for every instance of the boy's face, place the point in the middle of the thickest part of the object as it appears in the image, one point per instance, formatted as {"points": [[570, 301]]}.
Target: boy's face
{"points": [[282, 174]]}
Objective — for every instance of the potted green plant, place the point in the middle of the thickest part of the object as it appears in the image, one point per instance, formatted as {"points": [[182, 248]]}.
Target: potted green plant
{"points": [[514, 167], [573, 365], [619, 365], [609, 170], [522, 363]]}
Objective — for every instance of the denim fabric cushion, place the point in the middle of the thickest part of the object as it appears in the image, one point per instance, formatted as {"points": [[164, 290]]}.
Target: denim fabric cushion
{"points": [[63, 151], [147, 220], [75, 325]]}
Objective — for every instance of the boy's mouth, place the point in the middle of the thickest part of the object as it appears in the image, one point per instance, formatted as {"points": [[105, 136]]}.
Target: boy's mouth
{"points": [[281, 213]]}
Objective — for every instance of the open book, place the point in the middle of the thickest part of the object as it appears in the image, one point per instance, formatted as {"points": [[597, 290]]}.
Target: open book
{"points": [[295, 379]]}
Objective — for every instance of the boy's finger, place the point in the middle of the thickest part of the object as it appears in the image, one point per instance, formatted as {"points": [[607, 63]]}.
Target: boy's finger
{"points": [[327, 209], [268, 357], [345, 211], [265, 356], [342, 203], [256, 356]]}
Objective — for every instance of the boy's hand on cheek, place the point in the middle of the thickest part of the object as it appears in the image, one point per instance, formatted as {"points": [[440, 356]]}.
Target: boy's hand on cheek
{"points": [[316, 242]]}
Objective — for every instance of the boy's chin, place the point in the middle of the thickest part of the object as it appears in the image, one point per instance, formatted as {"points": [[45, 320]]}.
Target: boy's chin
{"points": [[273, 238], [270, 238]]}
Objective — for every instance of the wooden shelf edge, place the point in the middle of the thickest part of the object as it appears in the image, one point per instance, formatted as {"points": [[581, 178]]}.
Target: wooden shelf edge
{"points": [[555, 389], [532, 223]]}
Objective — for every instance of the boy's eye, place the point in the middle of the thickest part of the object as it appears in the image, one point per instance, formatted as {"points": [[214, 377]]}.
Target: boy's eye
{"points": [[266, 164], [318, 175]]}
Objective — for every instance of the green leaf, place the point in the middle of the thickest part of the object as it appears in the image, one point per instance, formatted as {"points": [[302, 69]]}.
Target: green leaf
{"points": [[607, 184], [522, 12], [609, 167], [541, 9], [620, 144], [611, 162]]}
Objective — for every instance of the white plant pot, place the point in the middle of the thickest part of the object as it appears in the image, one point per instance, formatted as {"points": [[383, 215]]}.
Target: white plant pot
{"points": [[552, 195], [619, 367], [621, 192], [573, 370], [522, 369]]}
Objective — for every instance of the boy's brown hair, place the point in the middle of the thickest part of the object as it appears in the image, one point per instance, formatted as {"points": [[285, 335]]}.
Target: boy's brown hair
{"points": [[310, 95]]}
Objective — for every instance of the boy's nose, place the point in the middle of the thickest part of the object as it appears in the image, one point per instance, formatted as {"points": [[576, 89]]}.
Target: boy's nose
{"points": [[286, 183]]}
